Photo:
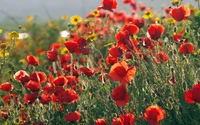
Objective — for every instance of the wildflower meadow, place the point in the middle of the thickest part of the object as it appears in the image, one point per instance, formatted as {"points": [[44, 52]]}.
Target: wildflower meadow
{"points": [[112, 67]]}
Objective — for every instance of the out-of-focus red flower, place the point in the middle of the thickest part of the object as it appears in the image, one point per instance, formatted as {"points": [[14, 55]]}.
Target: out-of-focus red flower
{"points": [[127, 119], [67, 96], [115, 51], [120, 95], [60, 81], [32, 86], [30, 98], [32, 60], [186, 48], [192, 96], [139, 22], [142, 7], [180, 13], [73, 117], [167, 10], [153, 114], [161, 57], [155, 31], [122, 72], [177, 36], [148, 43], [56, 45], [77, 46], [64, 59], [6, 87], [87, 71], [127, 1], [45, 98], [117, 121], [131, 28], [52, 54], [119, 16], [21, 76], [100, 122], [7, 98], [4, 114], [108, 5]]}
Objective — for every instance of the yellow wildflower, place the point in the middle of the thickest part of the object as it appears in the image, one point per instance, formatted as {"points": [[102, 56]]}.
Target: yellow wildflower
{"points": [[1, 30], [170, 21], [22, 60], [75, 19], [64, 17], [92, 37], [64, 51], [13, 35], [52, 23], [29, 18], [148, 14], [175, 2], [2, 54], [95, 13]]}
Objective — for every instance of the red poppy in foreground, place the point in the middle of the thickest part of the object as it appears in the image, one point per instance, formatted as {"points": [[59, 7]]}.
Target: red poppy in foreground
{"points": [[155, 31], [108, 5], [122, 72], [117, 121], [21, 76], [153, 114], [100, 122], [67, 96], [30, 98], [6, 87], [60, 81], [192, 96], [186, 48], [120, 95], [72, 117], [52, 54], [180, 13], [115, 51], [161, 57], [131, 28], [127, 119], [32, 60]]}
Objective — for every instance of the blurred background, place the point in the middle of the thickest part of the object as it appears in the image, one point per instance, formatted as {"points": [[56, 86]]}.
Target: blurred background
{"points": [[45, 10]]}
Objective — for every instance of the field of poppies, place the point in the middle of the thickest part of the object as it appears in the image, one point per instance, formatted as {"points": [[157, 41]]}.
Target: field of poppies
{"points": [[109, 68]]}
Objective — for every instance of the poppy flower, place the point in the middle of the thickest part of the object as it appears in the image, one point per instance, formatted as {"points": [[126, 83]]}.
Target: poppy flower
{"points": [[120, 95], [7, 98], [161, 57], [30, 98], [115, 51], [111, 60], [153, 114], [139, 22], [48, 88], [87, 71], [32, 60], [60, 81], [4, 114], [177, 36], [117, 121], [192, 96], [39, 77], [122, 72], [45, 98], [73, 117], [52, 54], [67, 96], [100, 122], [72, 80], [131, 28], [6, 87], [108, 5], [180, 13], [186, 48], [32, 86], [148, 43], [127, 119], [21, 76], [155, 31]]}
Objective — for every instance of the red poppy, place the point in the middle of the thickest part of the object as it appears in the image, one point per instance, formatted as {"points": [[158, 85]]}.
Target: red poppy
{"points": [[127, 119], [153, 114], [7, 98], [127, 1], [73, 117], [155, 31], [117, 121], [115, 51], [4, 114], [161, 57], [148, 43], [120, 95], [192, 96], [48, 88], [100, 122], [45, 98], [108, 5], [6, 87], [56, 45], [60, 81], [139, 22], [186, 48], [32, 60], [177, 36], [180, 13], [87, 71], [67, 96], [39, 77], [122, 72], [111, 60], [72, 80], [32, 86], [52, 54], [131, 28], [30, 98], [21, 76]]}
